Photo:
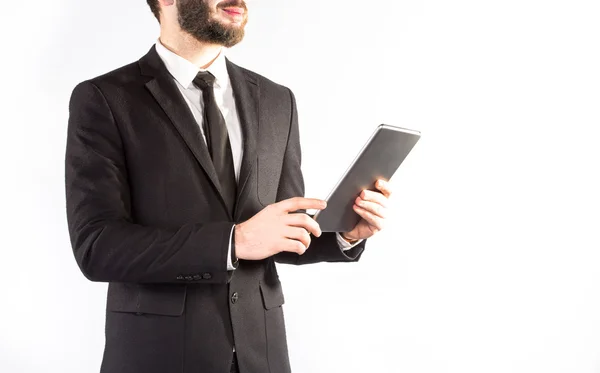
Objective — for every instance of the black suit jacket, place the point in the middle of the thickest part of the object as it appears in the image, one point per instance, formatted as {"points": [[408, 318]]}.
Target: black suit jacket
{"points": [[146, 214]]}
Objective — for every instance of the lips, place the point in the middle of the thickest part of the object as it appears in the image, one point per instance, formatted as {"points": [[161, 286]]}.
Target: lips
{"points": [[234, 11]]}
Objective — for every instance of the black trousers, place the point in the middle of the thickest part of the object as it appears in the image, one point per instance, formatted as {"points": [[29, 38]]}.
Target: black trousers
{"points": [[234, 364]]}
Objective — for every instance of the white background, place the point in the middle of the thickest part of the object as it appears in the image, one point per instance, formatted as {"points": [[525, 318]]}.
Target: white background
{"points": [[491, 260]]}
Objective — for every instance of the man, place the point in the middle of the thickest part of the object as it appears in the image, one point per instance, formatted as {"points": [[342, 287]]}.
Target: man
{"points": [[184, 187]]}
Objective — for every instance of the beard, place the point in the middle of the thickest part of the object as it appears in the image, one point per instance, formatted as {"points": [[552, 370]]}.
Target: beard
{"points": [[197, 19]]}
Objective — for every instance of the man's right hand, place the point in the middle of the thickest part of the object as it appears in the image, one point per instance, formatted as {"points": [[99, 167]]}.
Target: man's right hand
{"points": [[274, 229]]}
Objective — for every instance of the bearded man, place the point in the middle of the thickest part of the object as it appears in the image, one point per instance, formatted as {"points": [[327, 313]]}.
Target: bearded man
{"points": [[183, 188]]}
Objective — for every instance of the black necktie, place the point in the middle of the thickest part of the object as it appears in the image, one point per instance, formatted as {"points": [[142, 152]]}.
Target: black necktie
{"points": [[217, 139]]}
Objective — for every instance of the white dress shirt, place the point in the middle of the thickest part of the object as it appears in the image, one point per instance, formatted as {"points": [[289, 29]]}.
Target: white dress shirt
{"points": [[184, 72]]}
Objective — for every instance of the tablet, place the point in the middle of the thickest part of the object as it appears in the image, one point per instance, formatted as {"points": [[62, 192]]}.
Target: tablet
{"points": [[379, 158]]}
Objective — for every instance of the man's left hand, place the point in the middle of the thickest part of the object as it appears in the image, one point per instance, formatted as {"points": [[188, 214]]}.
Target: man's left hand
{"points": [[371, 206]]}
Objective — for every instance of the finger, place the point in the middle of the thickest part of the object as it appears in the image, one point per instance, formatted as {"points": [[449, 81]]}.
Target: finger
{"points": [[375, 222], [377, 197], [304, 221], [372, 207], [301, 203], [293, 246], [385, 187], [298, 234]]}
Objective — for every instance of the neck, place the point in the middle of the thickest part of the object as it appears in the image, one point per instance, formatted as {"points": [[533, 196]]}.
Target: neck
{"points": [[199, 53]]}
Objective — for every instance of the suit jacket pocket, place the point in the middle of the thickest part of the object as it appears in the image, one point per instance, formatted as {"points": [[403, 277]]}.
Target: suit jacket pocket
{"points": [[277, 350], [156, 299], [272, 294]]}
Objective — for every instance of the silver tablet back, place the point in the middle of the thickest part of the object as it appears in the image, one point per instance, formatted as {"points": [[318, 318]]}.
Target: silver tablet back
{"points": [[381, 156]]}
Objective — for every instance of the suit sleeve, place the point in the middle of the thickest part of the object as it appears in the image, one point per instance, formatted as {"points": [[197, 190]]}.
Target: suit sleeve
{"points": [[107, 243], [291, 184]]}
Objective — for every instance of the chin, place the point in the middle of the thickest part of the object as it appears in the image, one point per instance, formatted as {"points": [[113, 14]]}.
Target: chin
{"points": [[231, 24]]}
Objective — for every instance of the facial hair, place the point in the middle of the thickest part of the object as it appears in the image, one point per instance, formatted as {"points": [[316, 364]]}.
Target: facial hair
{"points": [[197, 19]]}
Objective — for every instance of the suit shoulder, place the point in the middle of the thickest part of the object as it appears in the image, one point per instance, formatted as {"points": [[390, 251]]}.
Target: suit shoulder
{"points": [[266, 83], [116, 79], [117, 87]]}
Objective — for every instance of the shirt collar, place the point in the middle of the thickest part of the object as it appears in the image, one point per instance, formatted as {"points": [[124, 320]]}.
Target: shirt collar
{"points": [[184, 71]]}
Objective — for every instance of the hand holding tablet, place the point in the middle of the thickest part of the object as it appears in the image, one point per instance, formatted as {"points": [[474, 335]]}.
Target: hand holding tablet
{"points": [[380, 157]]}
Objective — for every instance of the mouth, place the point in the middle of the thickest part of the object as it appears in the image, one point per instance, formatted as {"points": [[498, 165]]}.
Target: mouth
{"points": [[234, 11]]}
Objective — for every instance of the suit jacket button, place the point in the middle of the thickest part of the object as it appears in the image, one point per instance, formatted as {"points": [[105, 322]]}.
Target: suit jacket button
{"points": [[234, 297], [189, 278], [197, 277], [206, 276]]}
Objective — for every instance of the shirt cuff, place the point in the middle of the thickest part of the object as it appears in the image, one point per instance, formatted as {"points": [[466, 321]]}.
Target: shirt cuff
{"points": [[230, 266], [345, 245]]}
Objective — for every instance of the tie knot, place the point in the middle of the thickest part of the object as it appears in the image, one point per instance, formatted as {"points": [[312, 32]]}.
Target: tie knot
{"points": [[204, 79]]}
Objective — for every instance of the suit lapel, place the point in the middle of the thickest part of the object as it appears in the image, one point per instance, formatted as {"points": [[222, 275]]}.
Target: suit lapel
{"points": [[165, 92], [246, 95]]}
